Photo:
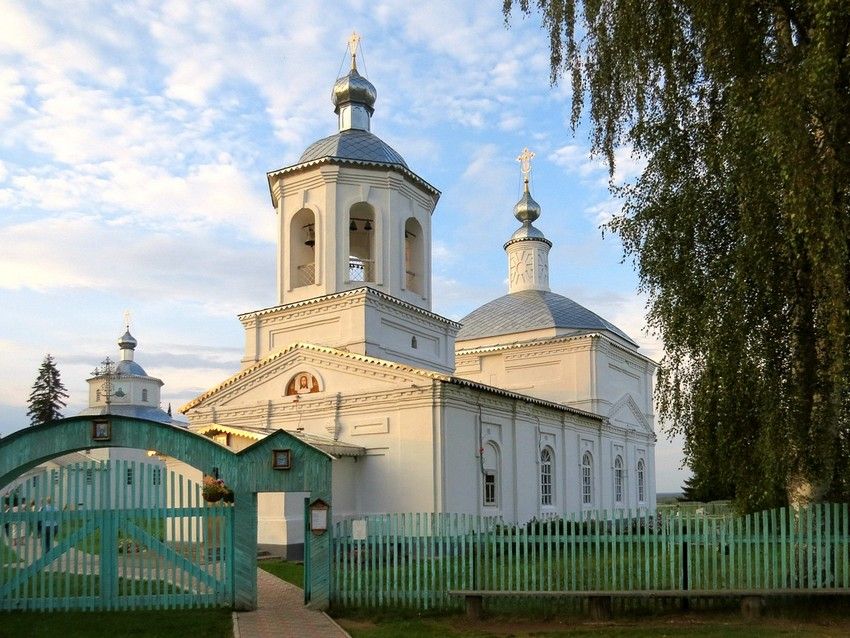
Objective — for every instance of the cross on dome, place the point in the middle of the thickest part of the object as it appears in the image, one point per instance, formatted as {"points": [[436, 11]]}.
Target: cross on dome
{"points": [[526, 209], [524, 159], [353, 42]]}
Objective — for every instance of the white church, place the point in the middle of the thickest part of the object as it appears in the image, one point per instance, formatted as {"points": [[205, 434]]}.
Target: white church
{"points": [[531, 406]]}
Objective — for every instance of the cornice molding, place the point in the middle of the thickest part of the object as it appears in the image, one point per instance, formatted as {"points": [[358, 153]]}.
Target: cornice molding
{"points": [[356, 295]]}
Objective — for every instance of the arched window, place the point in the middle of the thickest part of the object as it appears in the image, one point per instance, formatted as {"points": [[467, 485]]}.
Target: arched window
{"points": [[302, 249], [587, 479], [490, 467], [641, 480], [97, 395], [414, 257], [361, 242], [546, 477], [618, 479], [145, 395]]}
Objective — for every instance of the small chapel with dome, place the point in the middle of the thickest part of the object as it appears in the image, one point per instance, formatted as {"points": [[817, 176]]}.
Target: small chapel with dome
{"points": [[531, 406]]}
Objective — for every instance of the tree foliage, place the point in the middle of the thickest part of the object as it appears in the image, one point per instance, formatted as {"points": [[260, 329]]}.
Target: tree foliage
{"points": [[48, 394], [740, 223]]}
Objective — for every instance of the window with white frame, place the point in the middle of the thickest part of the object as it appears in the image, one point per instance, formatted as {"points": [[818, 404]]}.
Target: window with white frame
{"points": [[587, 478], [145, 395], [546, 477], [156, 475], [490, 467], [129, 477], [641, 480], [489, 487], [618, 479]]}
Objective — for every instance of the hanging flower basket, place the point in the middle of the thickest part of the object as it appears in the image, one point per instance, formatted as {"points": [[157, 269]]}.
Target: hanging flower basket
{"points": [[214, 489]]}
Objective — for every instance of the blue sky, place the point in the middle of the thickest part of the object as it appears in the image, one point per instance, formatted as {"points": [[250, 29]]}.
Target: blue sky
{"points": [[135, 141]]}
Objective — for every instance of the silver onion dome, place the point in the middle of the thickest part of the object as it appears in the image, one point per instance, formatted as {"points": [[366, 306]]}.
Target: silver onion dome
{"points": [[354, 88], [127, 341], [526, 209]]}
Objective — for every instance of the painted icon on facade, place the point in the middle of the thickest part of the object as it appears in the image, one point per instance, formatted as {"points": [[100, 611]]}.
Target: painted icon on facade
{"points": [[302, 383]]}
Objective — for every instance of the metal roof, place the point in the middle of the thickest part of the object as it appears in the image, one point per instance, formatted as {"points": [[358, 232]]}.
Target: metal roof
{"points": [[328, 446], [130, 368], [148, 412], [353, 144], [532, 310]]}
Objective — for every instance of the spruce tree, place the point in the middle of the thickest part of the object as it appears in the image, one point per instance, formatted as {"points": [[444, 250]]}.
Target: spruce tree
{"points": [[48, 394]]}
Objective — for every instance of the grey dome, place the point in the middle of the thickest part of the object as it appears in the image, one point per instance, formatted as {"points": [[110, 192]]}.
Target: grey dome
{"points": [[532, 310], [527, 231], [130, 368], [354, 88], [353, 144]]}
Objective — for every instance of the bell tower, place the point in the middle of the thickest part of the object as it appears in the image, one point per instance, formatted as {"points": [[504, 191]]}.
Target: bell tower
{"points": [[354, 246], [350, 211]]}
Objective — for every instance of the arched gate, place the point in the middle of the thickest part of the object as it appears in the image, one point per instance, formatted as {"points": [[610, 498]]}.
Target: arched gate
{"points": [[116, 535]]}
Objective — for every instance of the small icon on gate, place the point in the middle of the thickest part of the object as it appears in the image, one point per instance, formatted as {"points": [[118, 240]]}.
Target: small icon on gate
{"points": [[281, 459], [101, 430]]}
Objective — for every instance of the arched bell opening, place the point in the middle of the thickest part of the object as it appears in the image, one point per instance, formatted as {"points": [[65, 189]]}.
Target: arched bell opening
{"points": [[361, 243], [414, 257], [302, 248]]}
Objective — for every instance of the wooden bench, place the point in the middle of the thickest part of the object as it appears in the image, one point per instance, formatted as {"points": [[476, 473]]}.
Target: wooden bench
{"points": [[600, 602]]}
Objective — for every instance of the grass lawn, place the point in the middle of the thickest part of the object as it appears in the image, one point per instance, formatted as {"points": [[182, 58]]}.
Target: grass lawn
{"points": [[693, 625], [290, 572], [209, 623], [57, 585]]}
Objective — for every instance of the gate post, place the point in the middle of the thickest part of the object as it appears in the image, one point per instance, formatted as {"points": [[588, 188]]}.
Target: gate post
{"points": [[320, 565], [244, 550]]}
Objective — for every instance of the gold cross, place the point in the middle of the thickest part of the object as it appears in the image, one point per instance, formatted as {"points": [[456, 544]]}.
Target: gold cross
{"points": [[127, 319], [353, 41], [525, 161]]}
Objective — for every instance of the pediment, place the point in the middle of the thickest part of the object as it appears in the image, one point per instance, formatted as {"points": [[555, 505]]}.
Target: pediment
{"points": [[627, 413], [311, 370]]}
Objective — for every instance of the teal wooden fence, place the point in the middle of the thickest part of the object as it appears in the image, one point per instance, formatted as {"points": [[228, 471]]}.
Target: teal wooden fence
{"points": [[113, 535], [414, 560]]}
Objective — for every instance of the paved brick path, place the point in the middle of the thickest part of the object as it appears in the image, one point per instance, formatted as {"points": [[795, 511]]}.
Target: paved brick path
{"points": [[281, 613]]}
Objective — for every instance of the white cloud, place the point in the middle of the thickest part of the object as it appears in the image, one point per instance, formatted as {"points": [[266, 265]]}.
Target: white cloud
{"points": [[603, 212], [130, 260], [570, 157], [12, 92], [577, 160], [19, 32]]}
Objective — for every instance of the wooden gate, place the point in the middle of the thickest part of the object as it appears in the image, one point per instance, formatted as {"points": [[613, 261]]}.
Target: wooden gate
{"points": [[106, 535]]}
